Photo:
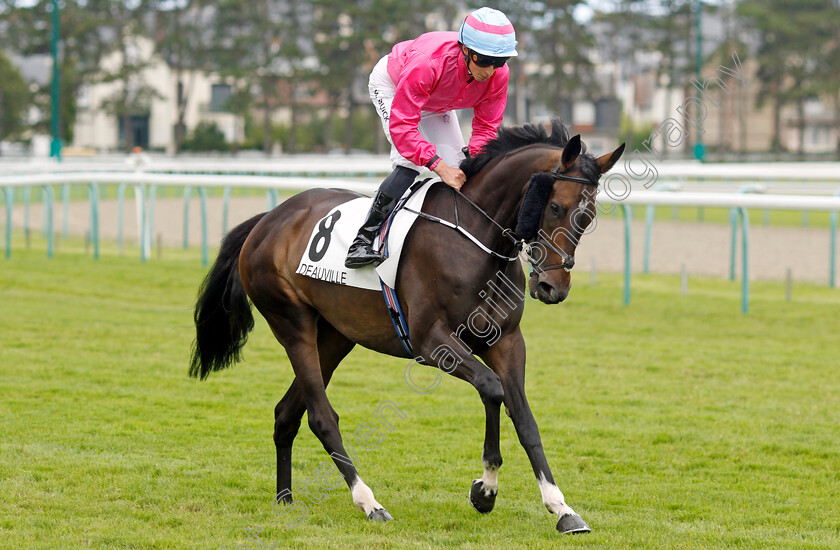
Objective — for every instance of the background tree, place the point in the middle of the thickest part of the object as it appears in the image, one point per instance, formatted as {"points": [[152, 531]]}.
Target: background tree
{"points": [[350, 37], [296, 50], [14, 100], [520, 16], [562, 46], [249, 38], [119, 27], [25, 28], [733, 108], [828, 64], [829, 71], [183, 38], [231, 54], [792, 40], [673, 36], [287, 53]]}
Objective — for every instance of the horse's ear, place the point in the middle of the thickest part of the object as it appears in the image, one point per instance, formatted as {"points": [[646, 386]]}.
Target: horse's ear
{"points": [[571, 152], [607, 161]]}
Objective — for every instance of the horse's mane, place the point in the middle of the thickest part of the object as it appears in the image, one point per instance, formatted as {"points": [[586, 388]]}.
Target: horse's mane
{"points": [[514, 137]]}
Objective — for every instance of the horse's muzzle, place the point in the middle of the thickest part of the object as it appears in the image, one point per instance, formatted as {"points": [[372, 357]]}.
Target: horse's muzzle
{"points": [[546, 292]]}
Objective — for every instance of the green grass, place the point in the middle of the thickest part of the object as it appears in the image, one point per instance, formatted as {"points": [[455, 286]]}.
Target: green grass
{"points": [[676, 422]]}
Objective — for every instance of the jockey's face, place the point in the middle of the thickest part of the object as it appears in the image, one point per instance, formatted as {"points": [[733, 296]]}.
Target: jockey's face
{"points": [[481, 73], [478, 72]]}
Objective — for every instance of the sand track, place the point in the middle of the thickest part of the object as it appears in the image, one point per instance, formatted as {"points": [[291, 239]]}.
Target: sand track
{"points": [[704, 248]]}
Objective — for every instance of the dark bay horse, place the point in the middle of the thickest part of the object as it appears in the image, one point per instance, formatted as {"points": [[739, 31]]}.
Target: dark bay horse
{"points": [[456, 297]]}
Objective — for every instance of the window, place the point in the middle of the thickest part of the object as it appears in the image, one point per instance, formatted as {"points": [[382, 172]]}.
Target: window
{"points": [[220, 98], [607, 114]]}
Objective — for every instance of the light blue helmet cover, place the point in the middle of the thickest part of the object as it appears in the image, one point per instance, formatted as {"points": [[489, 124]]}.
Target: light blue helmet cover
{"points": [[488, 32]]}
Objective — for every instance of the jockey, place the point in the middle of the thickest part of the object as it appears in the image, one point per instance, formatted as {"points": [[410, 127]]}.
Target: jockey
{"points": [[416, 90]]}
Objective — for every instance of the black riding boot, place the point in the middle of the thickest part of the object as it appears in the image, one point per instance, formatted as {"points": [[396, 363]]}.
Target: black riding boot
{"points": [[361, 252]]}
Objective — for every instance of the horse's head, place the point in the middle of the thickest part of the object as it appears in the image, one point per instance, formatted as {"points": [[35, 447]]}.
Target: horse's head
{"points": [[554, 209], [558, 207]]}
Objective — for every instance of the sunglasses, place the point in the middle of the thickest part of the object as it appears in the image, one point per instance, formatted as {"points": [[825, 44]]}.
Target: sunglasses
{"points": [[482, 60]]}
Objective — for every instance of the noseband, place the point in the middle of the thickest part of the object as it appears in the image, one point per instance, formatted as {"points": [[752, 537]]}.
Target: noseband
{"points": [[519, 242], [526, 246], [568, 261]]}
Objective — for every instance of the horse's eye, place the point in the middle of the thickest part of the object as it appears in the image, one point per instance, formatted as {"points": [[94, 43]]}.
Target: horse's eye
{"points": [[558, 210]]}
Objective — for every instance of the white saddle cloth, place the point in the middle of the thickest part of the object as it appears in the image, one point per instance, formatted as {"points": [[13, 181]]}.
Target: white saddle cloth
{"points": [[324, 256]]}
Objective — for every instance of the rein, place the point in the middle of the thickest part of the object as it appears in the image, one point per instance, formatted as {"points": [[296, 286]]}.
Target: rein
{"points": [[458, 227], [519, 243]]}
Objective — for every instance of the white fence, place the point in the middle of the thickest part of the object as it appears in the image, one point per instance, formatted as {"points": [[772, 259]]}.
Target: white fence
{"points": [[297, 173]]}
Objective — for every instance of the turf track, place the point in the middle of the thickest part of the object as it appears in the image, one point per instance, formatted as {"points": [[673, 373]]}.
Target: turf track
{"points": [[675, 422]]}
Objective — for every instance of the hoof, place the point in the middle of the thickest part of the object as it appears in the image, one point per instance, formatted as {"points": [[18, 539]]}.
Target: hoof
{"points": [[380, 515], [479, 500], [571, 524]]}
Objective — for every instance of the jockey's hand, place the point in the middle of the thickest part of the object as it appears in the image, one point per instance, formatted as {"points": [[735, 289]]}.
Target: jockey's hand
{"points": [[453, 177]]}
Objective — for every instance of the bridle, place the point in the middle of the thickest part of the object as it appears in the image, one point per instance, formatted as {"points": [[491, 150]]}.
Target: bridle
{"points": [[568, 261], [521, 245]]}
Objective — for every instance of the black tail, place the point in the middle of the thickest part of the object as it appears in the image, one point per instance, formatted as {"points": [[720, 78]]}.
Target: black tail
{"points": [[222, 315]]}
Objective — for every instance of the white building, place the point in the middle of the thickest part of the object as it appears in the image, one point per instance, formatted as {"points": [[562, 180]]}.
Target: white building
{"points": [[154, 129]]}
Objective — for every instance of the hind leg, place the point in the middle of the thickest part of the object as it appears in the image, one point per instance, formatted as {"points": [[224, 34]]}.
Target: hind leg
{"points": [[296, 330], [332, 348]]}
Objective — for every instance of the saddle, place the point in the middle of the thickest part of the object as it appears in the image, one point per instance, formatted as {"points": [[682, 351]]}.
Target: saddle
{"points": [[331, 237]]}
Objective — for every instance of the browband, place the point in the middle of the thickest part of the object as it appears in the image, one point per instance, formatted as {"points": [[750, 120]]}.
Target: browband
{"points": [[556, 174]]}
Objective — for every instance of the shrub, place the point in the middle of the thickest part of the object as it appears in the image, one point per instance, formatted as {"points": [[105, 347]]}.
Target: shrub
{"points": [[206, 136]]}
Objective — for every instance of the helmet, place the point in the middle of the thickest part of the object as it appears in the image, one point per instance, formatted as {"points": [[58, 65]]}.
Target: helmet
{"points": [[488, 32]]}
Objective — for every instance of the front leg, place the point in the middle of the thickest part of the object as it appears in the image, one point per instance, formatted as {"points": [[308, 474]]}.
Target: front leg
{"points": [[460, 364], [484, 490], [507, 359]]}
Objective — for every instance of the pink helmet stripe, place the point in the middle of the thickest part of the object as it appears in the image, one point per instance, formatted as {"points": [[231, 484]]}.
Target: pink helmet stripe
{"points": [[486, 27]]}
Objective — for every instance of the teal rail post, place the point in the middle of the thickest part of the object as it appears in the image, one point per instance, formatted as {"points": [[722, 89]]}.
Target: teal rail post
{"points": [[745, 283], [733, 220], [9, 199], [120, 211], [833, 243], [204, 255], [65, 198], [94, 218], [271, 199], [27, 199], [186, 240], [49, 199], [628, 217], [225, 209], [650, 214], [202, 193], [45, 206]]}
